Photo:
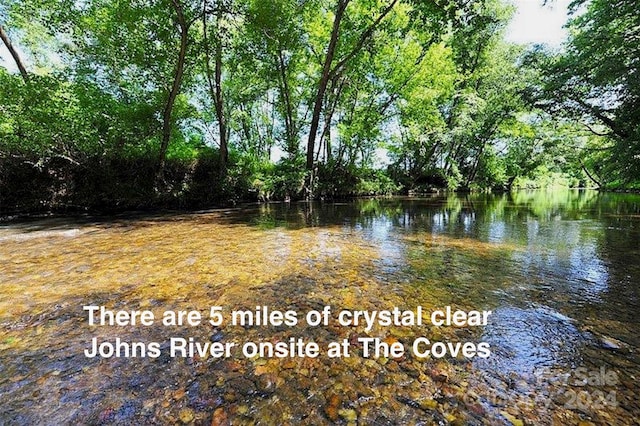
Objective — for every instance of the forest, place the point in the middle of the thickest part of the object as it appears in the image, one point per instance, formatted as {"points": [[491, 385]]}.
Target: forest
{"points": [[112, 105]]}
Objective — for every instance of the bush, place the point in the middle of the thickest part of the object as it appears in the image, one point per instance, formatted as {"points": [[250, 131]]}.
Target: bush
{"points": [[340, 182], [281, 181]]}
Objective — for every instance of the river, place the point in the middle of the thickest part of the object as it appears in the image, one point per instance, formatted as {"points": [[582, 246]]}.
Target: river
{"points": [[559, 271]]}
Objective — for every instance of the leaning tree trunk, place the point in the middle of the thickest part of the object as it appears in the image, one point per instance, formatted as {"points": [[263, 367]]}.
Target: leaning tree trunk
{"points": [[590, 176], [324, 80], [328, 71], [175, 90], [14, 53]]}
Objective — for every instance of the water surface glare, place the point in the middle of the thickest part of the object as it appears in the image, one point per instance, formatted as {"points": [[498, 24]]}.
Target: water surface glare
{"points": [[559, 270]]}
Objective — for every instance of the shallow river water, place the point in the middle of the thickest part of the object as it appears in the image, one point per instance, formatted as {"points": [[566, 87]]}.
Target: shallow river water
{"points": [[560, 272]]}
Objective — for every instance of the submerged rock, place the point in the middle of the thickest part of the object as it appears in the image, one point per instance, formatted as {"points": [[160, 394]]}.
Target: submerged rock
{"points": [[186, 415], [217, 336], [611, 343], [514, 421], [348, 414], [220, 418], [331, 409]]}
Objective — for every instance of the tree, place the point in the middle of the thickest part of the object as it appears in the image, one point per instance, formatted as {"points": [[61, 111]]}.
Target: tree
{"points": [[595, 80], [331, 70], [453, 122], [275, 42], [167, 122], [222, 16]]}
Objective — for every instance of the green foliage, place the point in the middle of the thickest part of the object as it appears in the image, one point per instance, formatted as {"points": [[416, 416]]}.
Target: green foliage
{"points": [[268, 181], [375, 182], [51, 117], [491, 172], [340, 182], [594, 82]]}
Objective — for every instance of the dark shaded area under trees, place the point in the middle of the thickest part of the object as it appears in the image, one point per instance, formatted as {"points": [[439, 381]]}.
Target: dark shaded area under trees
{"points": [[183, 104]]}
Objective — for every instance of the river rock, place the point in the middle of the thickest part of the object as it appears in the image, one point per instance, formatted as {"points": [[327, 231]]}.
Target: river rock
{"points": [[348, 414], [514, 421], [186, 415], [220, 418], [331, 409], [611, 343]]}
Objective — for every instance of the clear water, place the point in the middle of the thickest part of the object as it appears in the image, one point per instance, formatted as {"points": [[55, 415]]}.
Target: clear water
{"points": [[559, 270]]}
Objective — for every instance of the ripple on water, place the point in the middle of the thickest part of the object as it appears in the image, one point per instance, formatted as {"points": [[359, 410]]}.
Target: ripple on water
{"points": [[525, 339]]}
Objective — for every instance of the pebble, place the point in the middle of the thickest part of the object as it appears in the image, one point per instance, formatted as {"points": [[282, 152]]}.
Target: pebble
{"points": [[217, 336], [514, 421], [611, 343], [428, 404], [243, 386], [331, 409], [220, 418], [266, 383], [186, 415], [348, 414]]}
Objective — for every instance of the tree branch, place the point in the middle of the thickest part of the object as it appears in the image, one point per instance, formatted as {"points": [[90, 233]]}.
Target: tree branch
{"points": [[14, 53], [363, 38], [595, 132]]}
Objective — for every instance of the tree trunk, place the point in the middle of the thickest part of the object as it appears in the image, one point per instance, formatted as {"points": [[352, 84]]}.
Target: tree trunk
{"points": [[474, 170], [325, 137], [328, 72], [324, 80], [175, 89], [222, 121], [7, 42], [289, 120], [215, 86], [593, 179]]}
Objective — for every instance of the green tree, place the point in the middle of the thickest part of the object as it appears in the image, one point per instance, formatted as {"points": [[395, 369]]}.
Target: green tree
{"points": [[594, 81]]}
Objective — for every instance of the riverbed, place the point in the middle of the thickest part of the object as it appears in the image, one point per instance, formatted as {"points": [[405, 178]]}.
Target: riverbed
{"points": [[559, 272]]}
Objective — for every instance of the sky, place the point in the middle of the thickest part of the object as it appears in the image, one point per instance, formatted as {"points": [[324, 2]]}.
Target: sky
{"points": [[535, 23], [6, 60]]}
